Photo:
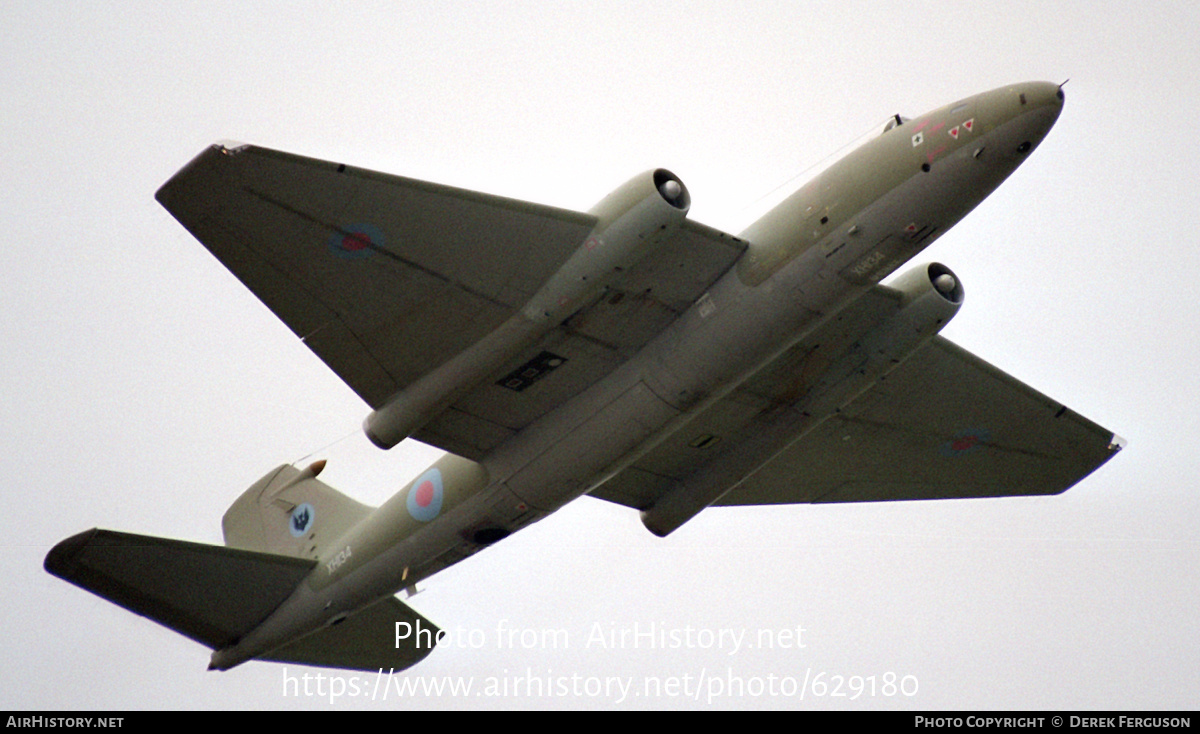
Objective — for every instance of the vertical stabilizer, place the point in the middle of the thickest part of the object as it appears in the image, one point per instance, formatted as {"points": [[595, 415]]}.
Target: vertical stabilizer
{"points": [[290, 512]]}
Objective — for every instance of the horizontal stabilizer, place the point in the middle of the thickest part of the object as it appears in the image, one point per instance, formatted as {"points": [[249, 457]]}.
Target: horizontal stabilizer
{"points": [[209, 593], [368, 640]]}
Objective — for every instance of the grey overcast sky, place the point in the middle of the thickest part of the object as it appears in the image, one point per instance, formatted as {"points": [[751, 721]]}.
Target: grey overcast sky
{"points": [[144, 389]]}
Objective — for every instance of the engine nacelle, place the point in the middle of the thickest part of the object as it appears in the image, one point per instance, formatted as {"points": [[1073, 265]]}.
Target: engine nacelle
{"points": [[657, 184], [631, 222], [930, 295]]}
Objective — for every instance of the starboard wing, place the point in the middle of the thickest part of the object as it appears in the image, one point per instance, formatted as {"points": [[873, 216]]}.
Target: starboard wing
{"points": [[381, 276]]}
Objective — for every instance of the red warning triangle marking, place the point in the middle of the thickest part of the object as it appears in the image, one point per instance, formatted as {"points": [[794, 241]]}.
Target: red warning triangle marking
{"points": [[954, 132], [969, 125]]}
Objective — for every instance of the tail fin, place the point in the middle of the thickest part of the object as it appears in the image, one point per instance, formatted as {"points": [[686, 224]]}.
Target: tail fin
{"points": [[290, 512]]}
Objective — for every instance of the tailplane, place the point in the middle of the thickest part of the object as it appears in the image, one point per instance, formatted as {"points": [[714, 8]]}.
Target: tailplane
{"points": [[212, 594], [216, 595]]}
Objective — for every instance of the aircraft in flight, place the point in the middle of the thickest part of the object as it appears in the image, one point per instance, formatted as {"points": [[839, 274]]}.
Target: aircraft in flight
{"points": [[628, 353]]}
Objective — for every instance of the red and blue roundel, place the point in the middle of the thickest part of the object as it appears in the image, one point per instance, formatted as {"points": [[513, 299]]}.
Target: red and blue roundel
{"points": [[966, 442], [425, 496], [356, 240]]}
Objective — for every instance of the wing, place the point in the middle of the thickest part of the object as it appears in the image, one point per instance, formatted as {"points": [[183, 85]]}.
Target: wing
{"points": [[386, 278], [592, 342], [381, 276], [944, 424]]}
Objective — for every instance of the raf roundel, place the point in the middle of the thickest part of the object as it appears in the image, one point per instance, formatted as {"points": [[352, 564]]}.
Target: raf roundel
{"points": [[355, 241], [966, 442], [425, 496]]}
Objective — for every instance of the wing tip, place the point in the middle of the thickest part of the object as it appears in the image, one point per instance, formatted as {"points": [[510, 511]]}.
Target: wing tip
{"points": [[229, 148], [60, 561], [1116, 443]]}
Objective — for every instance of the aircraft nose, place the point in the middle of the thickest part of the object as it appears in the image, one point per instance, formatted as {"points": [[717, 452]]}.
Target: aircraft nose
{"points": [[1025, 112], [1034, 95], [1039, 105]]}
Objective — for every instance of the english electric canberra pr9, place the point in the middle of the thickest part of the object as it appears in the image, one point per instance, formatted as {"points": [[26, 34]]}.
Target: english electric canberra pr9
{"points": [[627, 353]]}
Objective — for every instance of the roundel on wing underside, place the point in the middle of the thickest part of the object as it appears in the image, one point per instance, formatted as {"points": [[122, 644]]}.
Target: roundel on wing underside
{"points": [[966, 442], [424, 499], [356, 241]]}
